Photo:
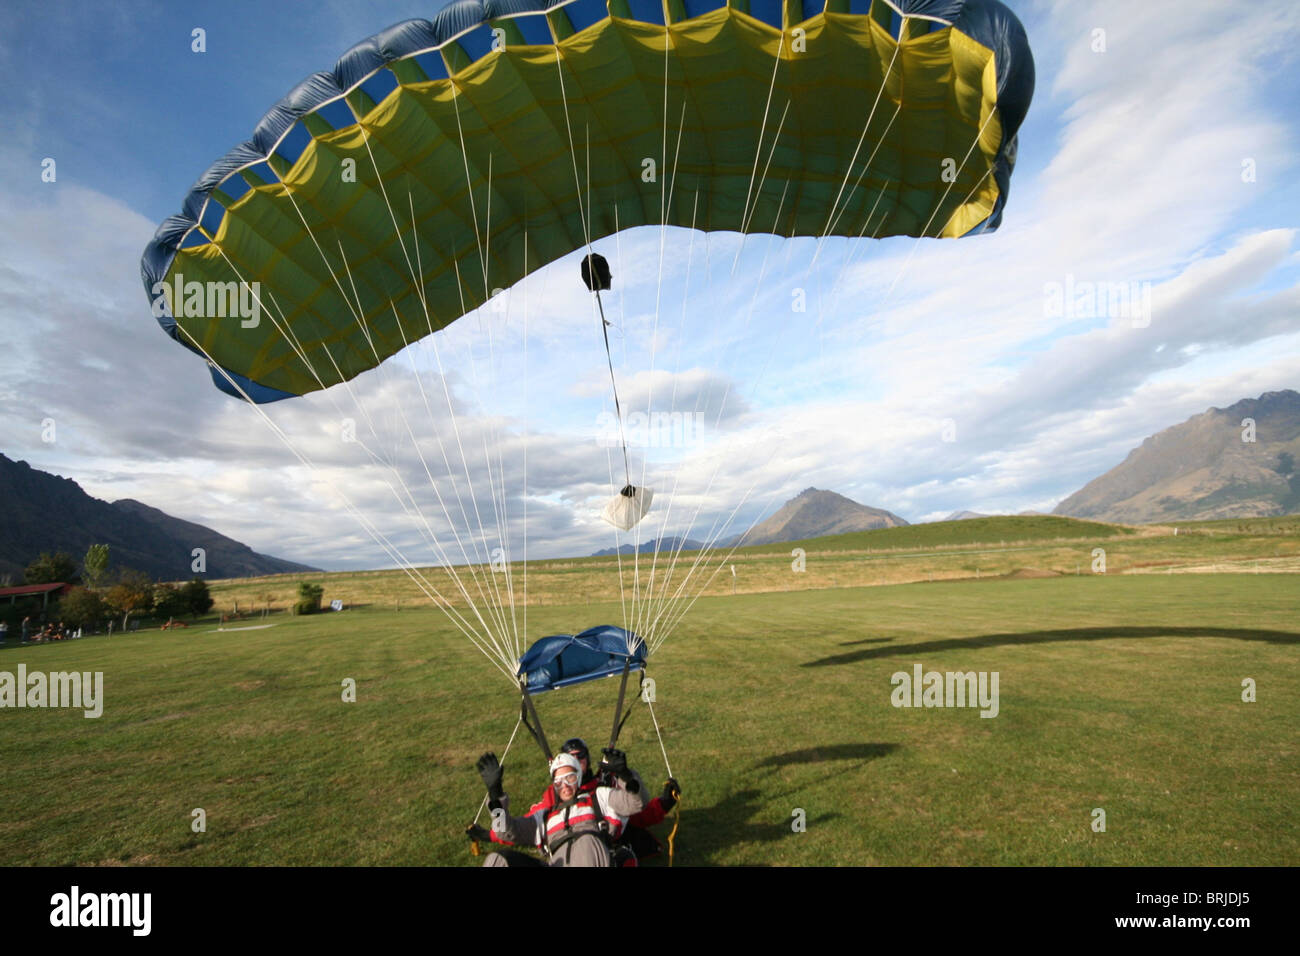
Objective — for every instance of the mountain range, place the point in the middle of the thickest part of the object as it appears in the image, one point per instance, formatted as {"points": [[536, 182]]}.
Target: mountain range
{"points": [[666, 545], [43, 512], [1233, 462]]}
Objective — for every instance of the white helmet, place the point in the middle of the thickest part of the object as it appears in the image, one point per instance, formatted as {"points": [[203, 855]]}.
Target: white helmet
{"points": [[566, 760]]}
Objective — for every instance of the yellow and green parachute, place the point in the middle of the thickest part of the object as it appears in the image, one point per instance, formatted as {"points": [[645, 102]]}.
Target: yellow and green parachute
{"points": [[441, 160]]}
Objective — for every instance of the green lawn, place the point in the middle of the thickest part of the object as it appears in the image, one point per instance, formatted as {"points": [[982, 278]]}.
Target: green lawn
{"points": [[1118, 692]]}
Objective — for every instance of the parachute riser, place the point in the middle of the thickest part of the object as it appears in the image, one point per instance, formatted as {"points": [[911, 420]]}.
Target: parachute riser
{"points": [[620, 718], [526, 708]]}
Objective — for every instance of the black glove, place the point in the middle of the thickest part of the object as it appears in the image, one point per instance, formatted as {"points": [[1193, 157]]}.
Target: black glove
{"points": [[476, 832], [489, 768], [668, 799], [615, 763]]}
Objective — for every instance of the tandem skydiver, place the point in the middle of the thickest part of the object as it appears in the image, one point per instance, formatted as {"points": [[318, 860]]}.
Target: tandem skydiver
{"points": [[581, 825], [635, 835]]}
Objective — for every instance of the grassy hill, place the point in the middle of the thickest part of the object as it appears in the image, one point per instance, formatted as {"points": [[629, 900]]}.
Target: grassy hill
{"points": [[976, 548], [992, 530]]}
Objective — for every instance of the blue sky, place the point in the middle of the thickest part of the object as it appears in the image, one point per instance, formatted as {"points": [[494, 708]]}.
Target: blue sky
{"points": [[1129, 172]]}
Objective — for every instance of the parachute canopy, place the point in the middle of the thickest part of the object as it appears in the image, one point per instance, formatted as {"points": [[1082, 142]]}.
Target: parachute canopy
{"points": [[565, 659], [440, 161]]}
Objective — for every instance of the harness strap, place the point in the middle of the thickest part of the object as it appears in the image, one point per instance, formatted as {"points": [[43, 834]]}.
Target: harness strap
{"points": [[566, 841]]}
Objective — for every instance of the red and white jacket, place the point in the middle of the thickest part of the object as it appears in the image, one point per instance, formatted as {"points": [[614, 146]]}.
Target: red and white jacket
{"points": [[546, 826], [653, 812]]}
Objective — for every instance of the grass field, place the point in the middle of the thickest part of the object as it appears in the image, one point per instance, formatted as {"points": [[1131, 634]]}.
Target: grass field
{"points": [[1119, 692]]}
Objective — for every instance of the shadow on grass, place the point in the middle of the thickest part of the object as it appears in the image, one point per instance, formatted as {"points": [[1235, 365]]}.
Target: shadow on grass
{"points": [[827, 752], [1063, 634], [869, 640], [720, 827]]}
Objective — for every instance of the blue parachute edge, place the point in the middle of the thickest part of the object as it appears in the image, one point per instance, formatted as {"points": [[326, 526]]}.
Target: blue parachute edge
{"points": [[563, 660]]}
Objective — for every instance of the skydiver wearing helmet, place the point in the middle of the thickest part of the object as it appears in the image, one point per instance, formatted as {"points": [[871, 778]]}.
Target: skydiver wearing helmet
{"points": [[635, 836], [578, 829]]}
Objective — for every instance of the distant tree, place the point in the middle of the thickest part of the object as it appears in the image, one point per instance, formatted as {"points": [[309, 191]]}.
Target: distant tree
{"points": [[169, 601], [81, 607], [95, 563], [1285, 463], [197, 599], [133, 593], [48, 569], [309, 596]]}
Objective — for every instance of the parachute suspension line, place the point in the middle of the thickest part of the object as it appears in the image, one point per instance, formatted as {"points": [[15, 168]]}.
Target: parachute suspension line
{"points": [[440, 551], [849, 256], [663, 526], [939, 204], [455, 422], [898, 108], [604, 329], [609, 458], [758, 152], [469, 181], [286, 333], [355, 307], [618, 409], [715, 532], [674, 616], [746, 216], [604, 324], [671, 607], [504, 754], [677, 807], [303, 357], [667, 606], [478, 517], [663, 750], [416, 270], [438, 436], [831, 218], [666, 198], [499, 506], [750, 213], [499, 613], [487, 455], [666, 578], [573, 154], [654, 337], [665, 603], [377, 536]]}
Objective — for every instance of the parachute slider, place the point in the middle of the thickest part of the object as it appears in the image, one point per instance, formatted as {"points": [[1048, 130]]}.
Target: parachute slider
{"points": [[628, 507], [595, 272]]}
